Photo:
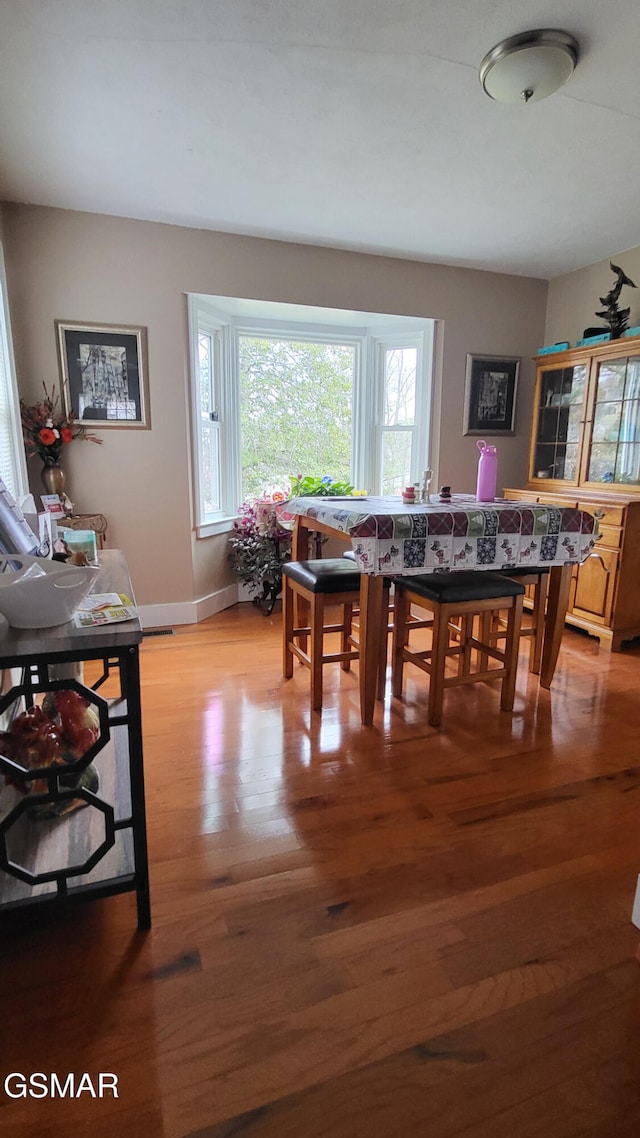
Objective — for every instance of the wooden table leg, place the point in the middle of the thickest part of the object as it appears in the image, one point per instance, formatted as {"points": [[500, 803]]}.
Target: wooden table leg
{"points": [[300, 552], [557, 603], [372, 620]]}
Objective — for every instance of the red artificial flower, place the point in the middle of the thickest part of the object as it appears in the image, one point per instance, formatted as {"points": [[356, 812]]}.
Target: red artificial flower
{"points": [[66, 435], [46, 436]]}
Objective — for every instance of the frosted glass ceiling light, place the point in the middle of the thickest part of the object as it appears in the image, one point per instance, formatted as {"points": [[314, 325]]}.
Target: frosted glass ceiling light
{"points": [[529, 67]]}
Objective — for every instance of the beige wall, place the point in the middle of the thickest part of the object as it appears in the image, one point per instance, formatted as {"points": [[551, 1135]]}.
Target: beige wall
{"points": [[575, 298], [97, 269]]}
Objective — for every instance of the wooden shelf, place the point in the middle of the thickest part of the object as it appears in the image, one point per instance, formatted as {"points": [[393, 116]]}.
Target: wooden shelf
{"points": [[44, 845], [65, 851]]}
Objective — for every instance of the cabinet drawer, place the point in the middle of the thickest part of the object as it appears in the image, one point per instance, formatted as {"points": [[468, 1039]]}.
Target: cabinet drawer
{"points": [[610, 536], [557, 500], [520, 495], [611, 515]]}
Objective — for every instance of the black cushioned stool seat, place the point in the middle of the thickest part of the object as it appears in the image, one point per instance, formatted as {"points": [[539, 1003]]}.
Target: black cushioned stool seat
{"points": [[311, 582], [328, 575], [453, 600], [454, 588]]}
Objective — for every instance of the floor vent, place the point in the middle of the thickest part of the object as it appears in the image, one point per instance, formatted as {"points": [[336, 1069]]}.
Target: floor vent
{"points": [[159, 632]]}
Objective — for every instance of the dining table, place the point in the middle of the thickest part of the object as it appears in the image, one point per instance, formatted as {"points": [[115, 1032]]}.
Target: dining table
{"points": [[390, 538]]}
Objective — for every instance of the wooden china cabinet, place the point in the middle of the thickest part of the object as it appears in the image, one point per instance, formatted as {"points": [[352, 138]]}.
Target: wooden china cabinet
{"points": [[585, 451]]}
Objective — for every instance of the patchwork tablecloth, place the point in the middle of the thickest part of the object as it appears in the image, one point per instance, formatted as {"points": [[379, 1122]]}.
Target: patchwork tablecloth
{"points": [[392, 538]]}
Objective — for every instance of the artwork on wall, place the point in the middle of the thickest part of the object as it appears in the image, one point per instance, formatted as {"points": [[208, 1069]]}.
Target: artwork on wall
{"points": [[104, 374], [490, 395]]}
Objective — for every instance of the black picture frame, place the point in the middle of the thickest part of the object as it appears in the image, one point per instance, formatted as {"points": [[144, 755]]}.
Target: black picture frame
{"points": [[490, 395], [103, 370]]}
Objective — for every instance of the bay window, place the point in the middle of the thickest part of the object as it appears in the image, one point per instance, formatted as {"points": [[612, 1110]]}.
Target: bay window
{"points": [[281, 390]]}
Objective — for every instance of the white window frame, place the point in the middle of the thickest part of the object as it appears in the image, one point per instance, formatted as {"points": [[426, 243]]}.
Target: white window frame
{"points": [[369, 343], [422, 341], [16, 477]]}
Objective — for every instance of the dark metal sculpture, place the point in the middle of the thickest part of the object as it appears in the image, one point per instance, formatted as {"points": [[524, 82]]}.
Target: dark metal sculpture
{"points": [[616, 318]]}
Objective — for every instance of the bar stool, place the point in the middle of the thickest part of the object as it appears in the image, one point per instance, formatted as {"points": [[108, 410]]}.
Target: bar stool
{"points": [[336, 581], [538, 577], [493, 624], [449, 597]]}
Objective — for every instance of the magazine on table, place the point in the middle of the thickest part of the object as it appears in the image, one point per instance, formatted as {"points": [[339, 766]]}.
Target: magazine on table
{"points": [[104, 608]]}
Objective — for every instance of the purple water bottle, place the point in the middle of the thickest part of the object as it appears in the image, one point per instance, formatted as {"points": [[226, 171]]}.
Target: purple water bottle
{"points": [[487, 472]]}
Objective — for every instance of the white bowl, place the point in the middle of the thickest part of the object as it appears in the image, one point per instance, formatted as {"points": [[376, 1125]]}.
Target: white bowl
{"points": [[37, 593]]}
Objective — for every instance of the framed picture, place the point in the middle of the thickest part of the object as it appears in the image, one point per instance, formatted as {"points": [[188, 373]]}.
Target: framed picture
{"points": [[490, 395], [104, 374]]}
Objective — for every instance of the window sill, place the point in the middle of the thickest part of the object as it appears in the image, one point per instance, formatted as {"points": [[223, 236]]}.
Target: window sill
{"points": [[210, 529]]}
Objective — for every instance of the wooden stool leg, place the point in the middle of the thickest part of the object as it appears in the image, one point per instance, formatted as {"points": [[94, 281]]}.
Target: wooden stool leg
{"points": [[317, 648], [287, 628], [514, 621], [300, 552], [466, 632], [489, 620], [438, 662], [539, 610], [399, 639], [347, 621]]}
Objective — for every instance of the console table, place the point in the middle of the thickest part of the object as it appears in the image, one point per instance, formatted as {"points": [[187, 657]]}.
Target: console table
{"points": [[100, 848]]}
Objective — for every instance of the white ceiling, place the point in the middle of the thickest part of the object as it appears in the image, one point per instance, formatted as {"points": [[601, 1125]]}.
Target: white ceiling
{"points": [[351, 123]]}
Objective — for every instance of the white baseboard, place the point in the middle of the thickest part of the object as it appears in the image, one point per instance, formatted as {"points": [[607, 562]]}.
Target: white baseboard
{"points": [[187, 612]]}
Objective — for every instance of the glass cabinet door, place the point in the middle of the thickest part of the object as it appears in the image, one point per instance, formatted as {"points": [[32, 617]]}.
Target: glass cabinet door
{"points": [[560, 414], [614, 451]]}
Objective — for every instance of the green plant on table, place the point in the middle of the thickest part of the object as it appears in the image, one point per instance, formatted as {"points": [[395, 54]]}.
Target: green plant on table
{"points": [[309, 486]]}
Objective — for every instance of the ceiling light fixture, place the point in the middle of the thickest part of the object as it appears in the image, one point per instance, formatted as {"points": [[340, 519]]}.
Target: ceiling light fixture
{"points": [[529, 67]]}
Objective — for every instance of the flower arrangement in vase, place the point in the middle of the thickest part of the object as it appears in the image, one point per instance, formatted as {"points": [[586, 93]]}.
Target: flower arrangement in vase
{"points": [[46, 432]]}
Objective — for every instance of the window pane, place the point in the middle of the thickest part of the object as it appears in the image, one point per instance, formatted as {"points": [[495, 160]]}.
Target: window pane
{"points": [[570, 465], [210, 471], [396, 461], [630, 422], [602, 462], [204, 360], [606, 422], [573, 383], [10, 430], [611, 376], [400, 386], [295, 411], [574, 424], [628, 463], [632, 388]]}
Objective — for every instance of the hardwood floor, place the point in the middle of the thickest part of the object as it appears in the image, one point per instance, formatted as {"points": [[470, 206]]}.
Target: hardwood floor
{"points": [[357, 932]]}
